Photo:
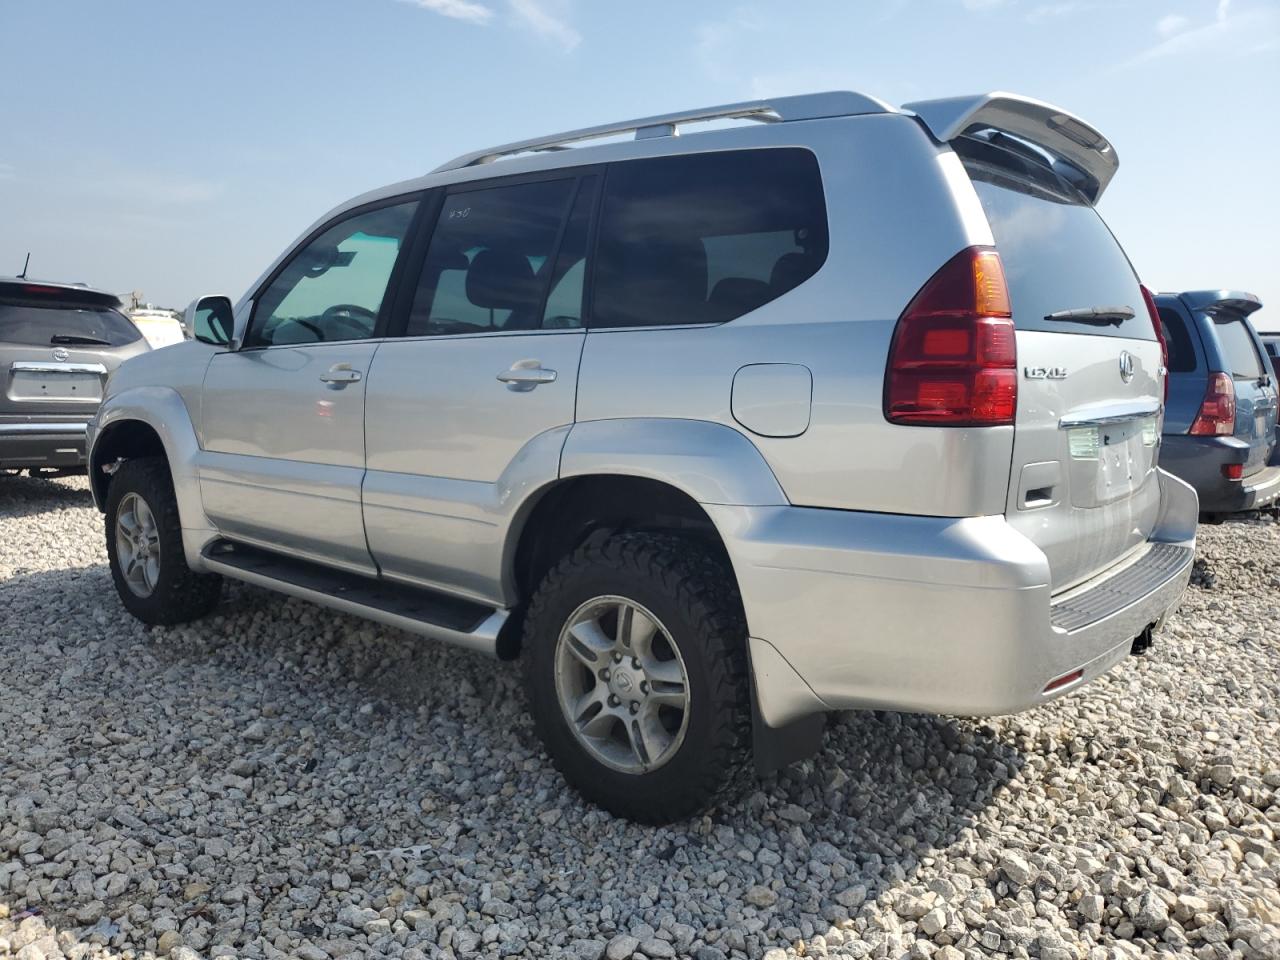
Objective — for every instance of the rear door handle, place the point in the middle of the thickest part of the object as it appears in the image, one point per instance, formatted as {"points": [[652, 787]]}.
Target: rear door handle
{"points": [[524, 375], [339, 375]]}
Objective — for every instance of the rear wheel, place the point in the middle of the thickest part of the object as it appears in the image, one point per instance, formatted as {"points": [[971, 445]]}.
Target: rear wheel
{"points": [[144, 547], [637, 675]]}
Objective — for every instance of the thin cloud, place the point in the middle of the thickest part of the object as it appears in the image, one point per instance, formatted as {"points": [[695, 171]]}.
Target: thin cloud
{"points": [[7, 172], [534, 15], [466, 10], [1173, 23], [977, 6], [1259, 29]]}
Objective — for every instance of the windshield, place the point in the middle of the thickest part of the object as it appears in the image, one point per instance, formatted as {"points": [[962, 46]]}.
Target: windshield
{"points": [[42, 326]]}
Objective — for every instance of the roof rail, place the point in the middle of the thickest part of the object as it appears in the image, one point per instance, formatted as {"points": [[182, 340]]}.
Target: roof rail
{"points": [[812, 106]]}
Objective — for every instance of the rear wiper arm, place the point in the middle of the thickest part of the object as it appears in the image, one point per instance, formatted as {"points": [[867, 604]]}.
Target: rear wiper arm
{"points": [[1101, 315], [77, 338]]}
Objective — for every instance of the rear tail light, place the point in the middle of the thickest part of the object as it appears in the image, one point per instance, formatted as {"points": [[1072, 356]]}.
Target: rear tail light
{"points": [[1233, 471], [1217, 416], [1064, 680], [1164, 345], [953, 362]]}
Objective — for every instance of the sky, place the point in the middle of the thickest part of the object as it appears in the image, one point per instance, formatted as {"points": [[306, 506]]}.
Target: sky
{"points": [[176, 148]]}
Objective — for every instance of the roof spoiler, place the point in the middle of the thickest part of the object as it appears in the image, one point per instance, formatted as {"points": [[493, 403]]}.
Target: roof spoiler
{"points": [[1051, 129], [69, 294], [1222, 301]]}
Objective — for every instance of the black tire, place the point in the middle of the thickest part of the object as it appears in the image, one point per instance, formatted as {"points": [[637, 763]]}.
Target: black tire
{"points": [[180, 595], [693, 594]]}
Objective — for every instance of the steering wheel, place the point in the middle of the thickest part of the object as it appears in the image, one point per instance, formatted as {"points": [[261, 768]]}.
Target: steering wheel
{"points": [[348, 311]]}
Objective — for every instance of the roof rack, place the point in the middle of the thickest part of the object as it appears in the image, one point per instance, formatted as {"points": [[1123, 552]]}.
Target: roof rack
{"points": [[812, 106]]}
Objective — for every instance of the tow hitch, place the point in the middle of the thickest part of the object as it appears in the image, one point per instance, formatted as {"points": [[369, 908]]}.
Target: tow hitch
{"points": [[1143, 641]]}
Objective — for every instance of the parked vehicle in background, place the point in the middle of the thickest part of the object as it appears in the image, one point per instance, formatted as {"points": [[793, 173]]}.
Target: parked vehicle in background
{"points": [[853, 408], [58, 343], [162, 328], [1220, 418]]}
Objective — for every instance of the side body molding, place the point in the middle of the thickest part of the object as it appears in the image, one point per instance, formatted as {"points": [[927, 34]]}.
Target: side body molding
{"points": [[712, 463], [163, 410]]}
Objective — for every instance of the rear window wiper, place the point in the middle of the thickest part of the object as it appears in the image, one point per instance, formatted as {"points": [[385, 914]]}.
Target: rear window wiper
{"points": [[78, 338], [1099, 315]]}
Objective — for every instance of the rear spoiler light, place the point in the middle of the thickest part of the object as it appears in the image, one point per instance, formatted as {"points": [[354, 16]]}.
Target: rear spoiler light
{"points": [[1051, 129], [62, 294]]}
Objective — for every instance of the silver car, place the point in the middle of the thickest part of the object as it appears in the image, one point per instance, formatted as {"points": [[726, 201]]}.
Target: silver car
{"points": [[58, 343], [842, 406]]}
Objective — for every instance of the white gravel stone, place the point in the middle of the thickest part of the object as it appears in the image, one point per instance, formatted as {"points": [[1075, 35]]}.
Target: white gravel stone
{"points": [[281, 781]]}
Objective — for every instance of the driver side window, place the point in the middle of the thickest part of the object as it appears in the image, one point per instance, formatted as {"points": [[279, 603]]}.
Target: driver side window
{"points": [[333, 287]]}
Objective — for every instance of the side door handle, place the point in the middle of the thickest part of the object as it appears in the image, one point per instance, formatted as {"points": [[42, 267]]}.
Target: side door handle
{"points": [[339, 375], [524, 375]]}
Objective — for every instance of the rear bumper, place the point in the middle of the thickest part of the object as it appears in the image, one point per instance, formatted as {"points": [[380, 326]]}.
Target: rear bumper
{"points": [[26, 443], [935, 615], [1199, 462]]}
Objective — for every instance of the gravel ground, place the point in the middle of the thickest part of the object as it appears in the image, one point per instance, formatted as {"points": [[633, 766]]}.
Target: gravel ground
{"points": [[283, 781]]}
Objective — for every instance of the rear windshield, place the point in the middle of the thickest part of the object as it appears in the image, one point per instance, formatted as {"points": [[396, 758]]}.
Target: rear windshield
{"points": [[1238, 349], [43, 325], [1058, 255]]}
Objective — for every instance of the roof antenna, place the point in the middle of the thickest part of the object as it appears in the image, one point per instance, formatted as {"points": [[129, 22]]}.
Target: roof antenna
{"points": [[23, 274]]}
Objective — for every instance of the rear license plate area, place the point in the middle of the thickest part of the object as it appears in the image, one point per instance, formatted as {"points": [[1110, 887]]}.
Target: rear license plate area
{"points": [[70, 386], [1110, 462]]}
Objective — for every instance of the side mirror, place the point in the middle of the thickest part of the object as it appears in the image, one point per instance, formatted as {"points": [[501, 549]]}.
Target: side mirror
{"points": [[211, 320]]}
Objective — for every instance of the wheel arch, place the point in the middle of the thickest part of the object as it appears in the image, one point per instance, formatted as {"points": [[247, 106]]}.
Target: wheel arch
{"points": [[152, 421]]}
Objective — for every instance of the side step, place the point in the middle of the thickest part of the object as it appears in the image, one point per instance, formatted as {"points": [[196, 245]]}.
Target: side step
{"points": [[425, 612]]}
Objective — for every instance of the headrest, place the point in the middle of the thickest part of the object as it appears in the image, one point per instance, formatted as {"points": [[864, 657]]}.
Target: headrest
{"points": [[500, 279], [734, 296], [791, 270]]}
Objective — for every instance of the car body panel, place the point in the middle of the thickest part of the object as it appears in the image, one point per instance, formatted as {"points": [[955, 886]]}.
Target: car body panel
{"points": [[286, 471]]}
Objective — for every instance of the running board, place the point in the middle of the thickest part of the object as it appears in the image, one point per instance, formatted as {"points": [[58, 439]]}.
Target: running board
{"points": [[427, 613]]}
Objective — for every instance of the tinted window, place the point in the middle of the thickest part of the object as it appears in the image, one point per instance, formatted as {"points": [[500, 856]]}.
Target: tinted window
{"points": [[706, 238], [333, 288], [1182, 353], [490, 260], [1057, 255], [1237, 346], [43, 326]]}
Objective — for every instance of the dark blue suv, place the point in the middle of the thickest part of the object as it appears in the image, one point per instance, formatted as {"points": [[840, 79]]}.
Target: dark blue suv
{"points": [[1220, 418]]}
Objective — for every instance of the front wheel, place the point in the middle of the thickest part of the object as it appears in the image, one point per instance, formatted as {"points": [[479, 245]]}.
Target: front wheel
{"points": [[144, 548], [637, 675]]}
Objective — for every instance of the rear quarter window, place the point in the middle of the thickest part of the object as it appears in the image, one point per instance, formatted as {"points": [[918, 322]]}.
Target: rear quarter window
{"points": [[1058, 255], [708, 237], [1182, 351], [1238, 348]]}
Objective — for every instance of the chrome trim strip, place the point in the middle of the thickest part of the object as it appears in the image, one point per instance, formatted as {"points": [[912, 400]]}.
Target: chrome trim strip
{"points": [[22, 429], [27, 366], [1111, 413]]}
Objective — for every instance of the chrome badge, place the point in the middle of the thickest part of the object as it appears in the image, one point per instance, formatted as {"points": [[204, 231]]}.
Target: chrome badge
{"points": [[60, 353], [1045, 373], [1126, 366]]}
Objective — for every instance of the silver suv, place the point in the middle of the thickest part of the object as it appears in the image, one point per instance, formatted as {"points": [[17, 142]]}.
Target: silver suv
{"points": [[848, 407], [58, 343]]}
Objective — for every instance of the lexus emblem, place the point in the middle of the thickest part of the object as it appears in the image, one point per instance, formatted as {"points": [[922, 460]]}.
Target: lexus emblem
{"points": [[1126, 366], [60, 354]]}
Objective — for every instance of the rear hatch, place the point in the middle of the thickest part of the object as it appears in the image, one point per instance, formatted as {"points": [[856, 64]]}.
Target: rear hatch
{"points": [[1082, 484], [57, 346], [1255, 388]]}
